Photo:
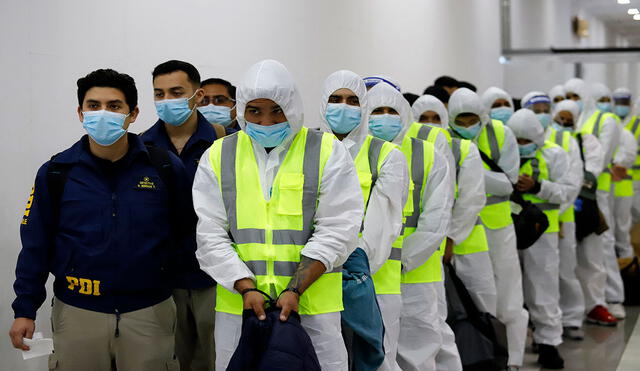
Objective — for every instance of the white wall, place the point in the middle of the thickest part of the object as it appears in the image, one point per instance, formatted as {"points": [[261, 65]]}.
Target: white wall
{"points": [[46, 45]]}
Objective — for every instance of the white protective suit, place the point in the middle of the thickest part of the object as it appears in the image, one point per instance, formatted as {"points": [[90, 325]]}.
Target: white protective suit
{"points": [[474, 270], [556, 91], [337, 219], [571, 296], [502, 242], [635, 112], [594, 251], [420, 327], [383, 217], [540, 262], [494, 93], [617, 237]]}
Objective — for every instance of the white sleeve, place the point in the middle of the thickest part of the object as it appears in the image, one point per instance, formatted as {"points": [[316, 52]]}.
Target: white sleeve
{"points": [[626, 154], [593, 154], [434, 219], [609, 139], [558, 188], [575, 173], [216, 255], [339, 212], [383, 218], [501, 184], [471, 197]]}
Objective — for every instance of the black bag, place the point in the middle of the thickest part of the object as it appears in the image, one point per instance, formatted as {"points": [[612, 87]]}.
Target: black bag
{"points": [[631, 279], [531, 222], [480, 337], [589, 218]]}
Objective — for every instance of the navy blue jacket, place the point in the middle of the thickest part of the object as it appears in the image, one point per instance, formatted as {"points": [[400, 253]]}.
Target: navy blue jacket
{"points": [[112, 240], [273, 345], [200, 141]]}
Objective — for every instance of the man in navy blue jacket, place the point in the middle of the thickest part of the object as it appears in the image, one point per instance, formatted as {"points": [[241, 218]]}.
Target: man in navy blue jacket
{"points": [[184, 131], [107, 217]]}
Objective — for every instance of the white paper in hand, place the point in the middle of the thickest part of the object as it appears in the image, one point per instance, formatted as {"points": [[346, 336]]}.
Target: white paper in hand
{"points": [[39, 346]]}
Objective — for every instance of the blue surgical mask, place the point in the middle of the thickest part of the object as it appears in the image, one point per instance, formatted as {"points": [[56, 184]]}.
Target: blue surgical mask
{"points": [[216, 114], [621, 111], [468, 132], [174, 111], [560, 127], [385, 127], [545, 119], [604, 106], [343, 118], [104, 127], [527, 150], [501, 113], [580, 104], [268, 136]]}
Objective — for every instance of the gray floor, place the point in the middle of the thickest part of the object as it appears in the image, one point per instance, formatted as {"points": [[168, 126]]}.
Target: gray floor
{"points": [[601, 349]]}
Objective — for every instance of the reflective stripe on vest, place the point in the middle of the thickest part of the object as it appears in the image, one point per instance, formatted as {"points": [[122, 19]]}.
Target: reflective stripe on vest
{"points": [[269, 235], [420, 155], [537, 168], [563, 139], [497, 211], [372, 154]]}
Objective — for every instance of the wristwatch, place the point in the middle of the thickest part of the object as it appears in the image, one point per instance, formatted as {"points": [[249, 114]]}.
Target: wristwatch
{"points": [[292, 289]]}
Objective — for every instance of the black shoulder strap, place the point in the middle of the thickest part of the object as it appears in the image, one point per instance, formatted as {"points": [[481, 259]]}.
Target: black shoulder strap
{"points": [[162, 163], [579, 137], [492, 165], [57, 174]]}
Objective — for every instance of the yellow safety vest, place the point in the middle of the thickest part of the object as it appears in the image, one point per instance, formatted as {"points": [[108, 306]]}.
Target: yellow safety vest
{"points": [[563, 139], [269, 235], [477, 239], [368, 163], [594, 126], [420, 155], [497, 212], [634, 127], [537, 168], [624, 188]]}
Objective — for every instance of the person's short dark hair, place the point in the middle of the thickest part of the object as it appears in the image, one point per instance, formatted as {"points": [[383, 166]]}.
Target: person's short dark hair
{"points": [[447, 81], [108, 78], [468, 85], [175, 65], [438, 92], [410, 97], [216, 81]]}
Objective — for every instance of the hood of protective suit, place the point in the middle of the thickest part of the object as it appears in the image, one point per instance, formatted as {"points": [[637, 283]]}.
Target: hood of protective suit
{"points": [[557, 90], [270, 79], [622, 93], [384, 95], [569, 106], [464, 100], [430, 103], [525, 125], [579, 87], [600, 90], [494, 93], [526, 100], [345, 79]]}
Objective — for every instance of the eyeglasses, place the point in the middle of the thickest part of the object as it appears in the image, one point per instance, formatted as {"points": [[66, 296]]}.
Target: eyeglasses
{"points": [[217, 100]]}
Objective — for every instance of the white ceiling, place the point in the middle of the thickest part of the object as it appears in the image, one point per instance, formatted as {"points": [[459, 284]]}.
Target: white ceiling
{"points": [[615, 16]]}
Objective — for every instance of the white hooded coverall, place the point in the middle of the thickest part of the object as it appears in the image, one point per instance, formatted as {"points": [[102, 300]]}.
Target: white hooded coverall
{"points": [[502, 241], [540, 262], [420, 327], [337, 219], [383, 216], [474, 269]]}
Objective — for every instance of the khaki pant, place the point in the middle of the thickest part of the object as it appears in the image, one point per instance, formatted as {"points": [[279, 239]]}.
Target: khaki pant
{"points": [[86, 340], [195, 346]]}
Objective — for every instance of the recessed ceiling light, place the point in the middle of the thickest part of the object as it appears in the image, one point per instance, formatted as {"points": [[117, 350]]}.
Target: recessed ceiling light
{"points": [[636, 17], [633, 11], [624, 1]]}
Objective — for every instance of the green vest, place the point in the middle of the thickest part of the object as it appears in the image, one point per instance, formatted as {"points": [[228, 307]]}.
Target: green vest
{"points": [[537, 169], [420, 155], [497, 212], [269, 235], [594, 126], [634, 127], [368, 163], [563, 139]]}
